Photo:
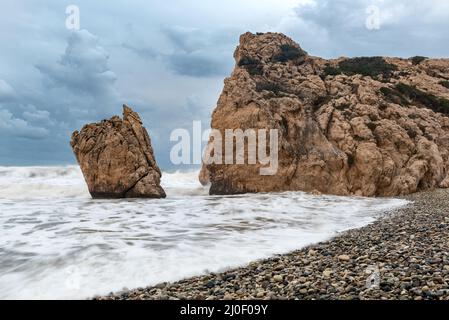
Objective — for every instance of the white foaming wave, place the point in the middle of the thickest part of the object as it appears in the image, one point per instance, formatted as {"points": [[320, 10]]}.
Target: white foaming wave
{"points": [[36, 172], [56, 242], [71, 248], [42, 182], [182, 183], [68, 182]]}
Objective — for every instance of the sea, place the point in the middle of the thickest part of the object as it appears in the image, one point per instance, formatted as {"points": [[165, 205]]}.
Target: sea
{"points": [[58, 243]]}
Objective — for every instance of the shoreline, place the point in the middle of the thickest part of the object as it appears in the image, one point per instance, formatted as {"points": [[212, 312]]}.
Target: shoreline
{"points": [[402, 255]]}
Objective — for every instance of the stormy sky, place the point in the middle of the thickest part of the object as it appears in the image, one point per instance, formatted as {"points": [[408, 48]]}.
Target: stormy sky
{"points": [[168, 59]]}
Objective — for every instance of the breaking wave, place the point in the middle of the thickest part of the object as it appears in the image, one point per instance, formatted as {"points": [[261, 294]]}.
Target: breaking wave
{"points": [[56, 242]]}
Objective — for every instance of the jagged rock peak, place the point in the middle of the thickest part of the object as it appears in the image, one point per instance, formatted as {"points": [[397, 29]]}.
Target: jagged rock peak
{"points": [[116, 158], [268, 47]]}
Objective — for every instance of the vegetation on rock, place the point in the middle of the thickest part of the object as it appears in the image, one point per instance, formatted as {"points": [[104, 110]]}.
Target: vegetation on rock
{"points": [[418, 59], [253, 66], [320, 101], [444, 83], [366, 66], [288, 52], [404, 95], [268, 86]]}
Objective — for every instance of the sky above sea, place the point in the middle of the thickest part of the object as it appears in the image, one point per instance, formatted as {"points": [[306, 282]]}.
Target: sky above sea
{"points": [[168, 59]]}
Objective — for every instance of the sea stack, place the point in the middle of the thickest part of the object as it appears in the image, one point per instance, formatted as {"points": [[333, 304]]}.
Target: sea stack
{"points": [[116, 158], [349, 126]]}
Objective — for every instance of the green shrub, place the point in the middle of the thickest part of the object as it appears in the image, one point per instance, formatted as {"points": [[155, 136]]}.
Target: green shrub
{"points": [[268, 86], [331, 71], [288, 52], [366, 66], [444, 83], [418, 96], [394, 96], [253, 66], [407, 95], [418, 59], [320, 101]]}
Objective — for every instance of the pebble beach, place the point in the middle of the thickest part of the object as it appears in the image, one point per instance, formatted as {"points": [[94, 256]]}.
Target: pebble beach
{"points": [[404, 255]]}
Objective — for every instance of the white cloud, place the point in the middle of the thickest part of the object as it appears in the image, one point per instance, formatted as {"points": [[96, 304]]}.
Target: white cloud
{"points": [[83, 67], [12, 126]]}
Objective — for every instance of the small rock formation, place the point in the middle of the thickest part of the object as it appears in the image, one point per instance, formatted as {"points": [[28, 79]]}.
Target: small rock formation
{"points": [[204, 176], [361, 126], [116, 158]]}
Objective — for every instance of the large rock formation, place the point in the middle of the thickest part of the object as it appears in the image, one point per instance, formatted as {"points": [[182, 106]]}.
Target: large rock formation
{"points": [[117, 159], [362, 126]]}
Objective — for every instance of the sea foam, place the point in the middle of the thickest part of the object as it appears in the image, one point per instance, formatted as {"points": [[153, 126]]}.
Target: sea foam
{"points": [[56, 242]]}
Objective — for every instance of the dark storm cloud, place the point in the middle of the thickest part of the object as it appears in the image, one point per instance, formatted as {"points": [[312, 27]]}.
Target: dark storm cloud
{"points": [[200, 54], [77, 88], [82, 68], [197, 64], [11, 126], [406, 27], [168, 60], [193, 52]]}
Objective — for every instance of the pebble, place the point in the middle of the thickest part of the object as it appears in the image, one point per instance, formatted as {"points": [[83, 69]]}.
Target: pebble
{"points": [[161, 285], [327, 273], [405, 251], [344, 257]]}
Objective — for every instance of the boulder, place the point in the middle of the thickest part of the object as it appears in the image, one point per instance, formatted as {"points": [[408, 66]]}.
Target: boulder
{"points": [[350, 126], [117, 159]]}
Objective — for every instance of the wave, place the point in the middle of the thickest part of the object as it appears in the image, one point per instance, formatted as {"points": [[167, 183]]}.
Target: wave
{"points": [[39, 172], [57, 243], [183, 183], [68, 181], [42, 182]]}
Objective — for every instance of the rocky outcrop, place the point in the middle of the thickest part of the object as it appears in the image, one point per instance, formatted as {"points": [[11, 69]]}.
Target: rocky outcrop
{"points": [[204, 176], [117, 159], [361, 126]]}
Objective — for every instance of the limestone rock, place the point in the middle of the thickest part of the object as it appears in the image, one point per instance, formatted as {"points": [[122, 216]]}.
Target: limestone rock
{"points": [[361, 126], [117, 159], [204, 176]]}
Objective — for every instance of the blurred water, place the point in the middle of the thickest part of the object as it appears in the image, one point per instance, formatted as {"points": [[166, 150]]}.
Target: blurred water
{"points": [[56, 242]]}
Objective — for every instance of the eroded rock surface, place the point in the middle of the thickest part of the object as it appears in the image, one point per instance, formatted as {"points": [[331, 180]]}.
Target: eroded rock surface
{"points": [[117, 159], [362, 126]]}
